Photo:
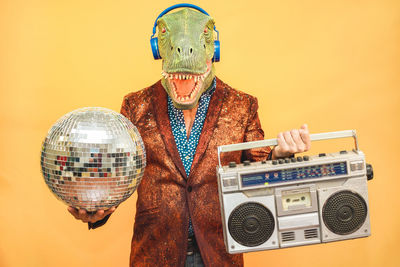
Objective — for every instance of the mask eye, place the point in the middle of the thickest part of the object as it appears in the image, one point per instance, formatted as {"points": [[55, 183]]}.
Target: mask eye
{"points": [[205, 30], [163, 30]]}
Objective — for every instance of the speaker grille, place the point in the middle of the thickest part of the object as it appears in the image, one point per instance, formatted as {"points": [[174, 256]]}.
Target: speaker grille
{"points": [[344, 212], [251, 224]]}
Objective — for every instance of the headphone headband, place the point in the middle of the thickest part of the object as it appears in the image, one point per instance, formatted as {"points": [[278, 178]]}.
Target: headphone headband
{"points": [[175, 7]]}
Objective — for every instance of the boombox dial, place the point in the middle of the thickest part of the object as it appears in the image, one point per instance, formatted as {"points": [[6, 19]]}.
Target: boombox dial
{"points": [[344, 212], [251, 224]]}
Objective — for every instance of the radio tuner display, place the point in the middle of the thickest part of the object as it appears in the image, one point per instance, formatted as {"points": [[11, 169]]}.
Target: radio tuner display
{"points": [[300, 173]]}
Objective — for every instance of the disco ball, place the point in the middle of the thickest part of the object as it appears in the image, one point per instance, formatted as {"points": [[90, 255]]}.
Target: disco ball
{"points": [[93, 158]]}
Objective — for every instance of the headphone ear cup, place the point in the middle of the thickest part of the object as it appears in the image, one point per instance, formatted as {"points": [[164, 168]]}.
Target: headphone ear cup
{"points": [[154, 48], [217, 50]]}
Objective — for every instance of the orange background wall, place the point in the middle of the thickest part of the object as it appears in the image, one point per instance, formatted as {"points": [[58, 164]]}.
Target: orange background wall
{"points": [[332, 64]]}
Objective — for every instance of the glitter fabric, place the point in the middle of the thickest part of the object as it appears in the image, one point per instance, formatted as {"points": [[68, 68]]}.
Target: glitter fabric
{"points": [[167, 196], [187, 147], [93, 158]]}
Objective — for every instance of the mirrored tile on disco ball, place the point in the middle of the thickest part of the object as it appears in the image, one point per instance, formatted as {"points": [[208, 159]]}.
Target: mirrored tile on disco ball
{"points": [[93, 158]]}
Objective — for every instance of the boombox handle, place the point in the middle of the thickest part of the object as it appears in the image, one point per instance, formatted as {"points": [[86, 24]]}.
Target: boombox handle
{"points": [[274, 142]]}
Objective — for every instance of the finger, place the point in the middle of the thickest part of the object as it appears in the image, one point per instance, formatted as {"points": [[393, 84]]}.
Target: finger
{"points": [[290, 142], [82, 212], [305, 136], [83, 215], [73, 211], [109, 211], [297, 139], [97, 216]]}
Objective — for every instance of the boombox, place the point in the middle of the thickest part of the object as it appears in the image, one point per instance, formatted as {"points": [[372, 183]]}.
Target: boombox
{"points": [[294, 201]]}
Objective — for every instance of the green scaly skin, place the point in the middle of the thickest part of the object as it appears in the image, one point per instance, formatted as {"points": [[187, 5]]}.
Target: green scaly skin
{"points": [[186, 45]]}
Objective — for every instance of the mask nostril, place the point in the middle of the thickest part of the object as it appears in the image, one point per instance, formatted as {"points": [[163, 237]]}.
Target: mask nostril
{"points": [[179, 50], [191, 50]]}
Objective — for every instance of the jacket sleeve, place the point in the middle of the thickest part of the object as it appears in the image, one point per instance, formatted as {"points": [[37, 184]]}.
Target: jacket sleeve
{"points": [[124, 111], [98, 223], [254, 132]]}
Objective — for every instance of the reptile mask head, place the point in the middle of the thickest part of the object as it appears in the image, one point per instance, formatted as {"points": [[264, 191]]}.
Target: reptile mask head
{"points": [[186, 45]]}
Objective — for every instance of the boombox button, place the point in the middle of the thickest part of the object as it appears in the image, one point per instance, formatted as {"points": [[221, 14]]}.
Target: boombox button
{"points": [[306, 158], [343, 152], [293, 159], [246, 162], [357, 165], [299, 159], [280, 161], [287, 160], [322, 154], [232, 164], [229, 182], [274, 162]]}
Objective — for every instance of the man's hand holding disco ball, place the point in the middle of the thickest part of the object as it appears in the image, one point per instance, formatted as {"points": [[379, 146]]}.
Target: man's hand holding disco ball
{"points": [[90, 217], [93, 158]]}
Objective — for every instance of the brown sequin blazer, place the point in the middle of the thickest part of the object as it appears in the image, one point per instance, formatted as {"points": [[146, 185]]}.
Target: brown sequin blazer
{"points": [[166, 196]]}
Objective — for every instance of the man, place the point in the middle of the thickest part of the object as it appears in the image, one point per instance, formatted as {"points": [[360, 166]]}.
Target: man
{"points": [[182, 119]]}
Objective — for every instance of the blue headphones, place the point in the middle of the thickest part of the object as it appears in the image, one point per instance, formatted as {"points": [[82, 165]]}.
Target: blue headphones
{"points": [[154, 40]]}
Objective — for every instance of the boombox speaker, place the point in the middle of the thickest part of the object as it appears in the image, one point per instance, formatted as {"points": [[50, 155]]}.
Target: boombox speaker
{"points": [[294, 201]]}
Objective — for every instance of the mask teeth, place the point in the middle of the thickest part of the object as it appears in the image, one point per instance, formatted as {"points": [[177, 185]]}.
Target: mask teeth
{"points": [[185, 98], [184, 76], [174, 91], [194, 91]]}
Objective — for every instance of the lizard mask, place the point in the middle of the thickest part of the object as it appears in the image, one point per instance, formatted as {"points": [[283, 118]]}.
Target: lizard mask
{"points": [[186, 45]]}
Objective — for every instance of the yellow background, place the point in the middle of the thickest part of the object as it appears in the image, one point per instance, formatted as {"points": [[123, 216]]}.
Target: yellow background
{"points": [[332, 64]]}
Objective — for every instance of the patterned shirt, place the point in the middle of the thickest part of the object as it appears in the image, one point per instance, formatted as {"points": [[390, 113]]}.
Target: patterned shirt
{"points": [[187, 146]]}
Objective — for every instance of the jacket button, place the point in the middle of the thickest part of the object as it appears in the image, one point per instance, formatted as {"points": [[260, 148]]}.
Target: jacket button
{"points": [[189, 189]]}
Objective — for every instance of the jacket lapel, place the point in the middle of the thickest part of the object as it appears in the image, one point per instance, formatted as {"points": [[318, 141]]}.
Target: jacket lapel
{"points": [[214, 109], [164, 126]]}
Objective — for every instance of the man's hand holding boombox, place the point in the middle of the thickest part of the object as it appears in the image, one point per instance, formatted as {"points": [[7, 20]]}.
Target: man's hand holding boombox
{"points": [[292, 142]]}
